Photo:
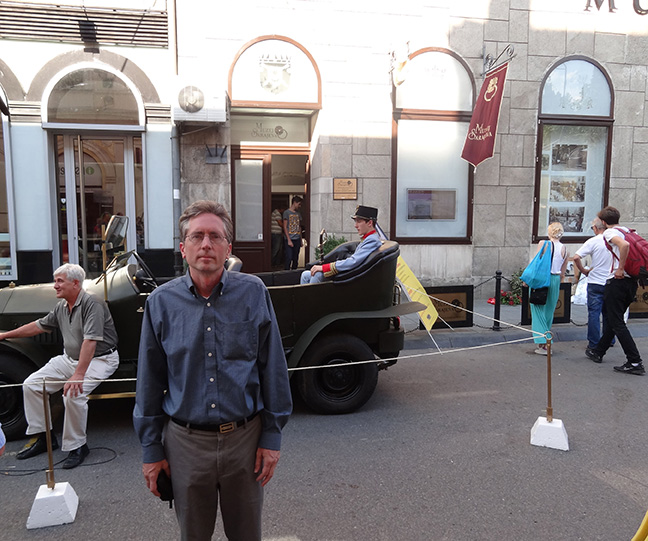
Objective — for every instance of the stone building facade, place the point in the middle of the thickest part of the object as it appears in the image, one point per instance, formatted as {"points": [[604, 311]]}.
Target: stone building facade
{"points": [[348, 103]]}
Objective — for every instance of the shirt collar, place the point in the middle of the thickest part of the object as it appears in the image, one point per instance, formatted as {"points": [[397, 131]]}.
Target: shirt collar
{"points": [[77, 302], [370, 233], [217, 290]]}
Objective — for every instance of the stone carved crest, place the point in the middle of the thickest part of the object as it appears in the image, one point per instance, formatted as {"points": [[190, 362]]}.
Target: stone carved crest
{"points": [[274, 72]]}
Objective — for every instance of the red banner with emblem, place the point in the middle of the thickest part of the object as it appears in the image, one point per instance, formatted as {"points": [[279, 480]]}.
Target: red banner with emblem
{"points": [[480, 140]]}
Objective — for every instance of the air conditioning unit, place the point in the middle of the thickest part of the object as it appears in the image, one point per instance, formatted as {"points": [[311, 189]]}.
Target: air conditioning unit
{"points": [[199, 105]]}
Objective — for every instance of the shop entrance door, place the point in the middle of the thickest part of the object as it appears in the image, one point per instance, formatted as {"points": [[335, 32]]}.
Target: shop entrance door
{"points": [[97, 176], [259, 180]]}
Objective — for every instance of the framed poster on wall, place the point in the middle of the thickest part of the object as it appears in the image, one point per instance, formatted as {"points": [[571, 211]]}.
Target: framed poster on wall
{"points": [[431, 204]]}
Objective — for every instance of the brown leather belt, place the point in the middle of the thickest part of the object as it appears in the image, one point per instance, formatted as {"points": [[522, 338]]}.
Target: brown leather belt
{"points": [[223, 428]]}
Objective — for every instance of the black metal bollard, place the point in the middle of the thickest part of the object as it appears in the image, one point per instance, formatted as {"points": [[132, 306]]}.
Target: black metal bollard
{"points": [[498, 289]]}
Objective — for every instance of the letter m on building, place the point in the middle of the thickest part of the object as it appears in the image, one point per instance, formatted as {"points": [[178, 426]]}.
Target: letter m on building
{"points": [[599, 3]]}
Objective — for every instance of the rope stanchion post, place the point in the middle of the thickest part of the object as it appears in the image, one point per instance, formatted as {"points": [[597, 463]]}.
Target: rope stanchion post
{"points": [[55, 504], [547, 431], [497, 307], [549, 407], [49, 474]]}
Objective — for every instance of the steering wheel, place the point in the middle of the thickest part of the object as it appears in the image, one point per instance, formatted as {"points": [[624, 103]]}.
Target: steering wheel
{"points": [[144, 275], [148, 277]]}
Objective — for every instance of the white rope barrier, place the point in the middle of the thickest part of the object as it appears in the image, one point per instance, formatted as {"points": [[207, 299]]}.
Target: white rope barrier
{"points": [[533, 334]]}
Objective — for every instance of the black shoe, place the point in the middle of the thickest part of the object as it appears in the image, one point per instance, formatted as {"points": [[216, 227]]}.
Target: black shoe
{"points": [[629, 368], [36, 446], [76, 457], [591, 354]]}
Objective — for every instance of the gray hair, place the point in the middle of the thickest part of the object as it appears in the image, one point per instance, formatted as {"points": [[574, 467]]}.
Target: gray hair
{"points": [[71, 271], [206, 207], [598, 224]]}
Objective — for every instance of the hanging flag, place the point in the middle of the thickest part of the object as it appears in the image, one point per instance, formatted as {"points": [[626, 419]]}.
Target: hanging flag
{"points": [[480, 140]]}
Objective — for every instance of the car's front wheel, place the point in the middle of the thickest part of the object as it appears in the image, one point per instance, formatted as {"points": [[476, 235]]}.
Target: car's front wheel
{"points": [[13, 371], [338, 388]]}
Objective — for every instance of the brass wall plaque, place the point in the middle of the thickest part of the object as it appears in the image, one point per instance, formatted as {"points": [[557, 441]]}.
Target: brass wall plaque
{"points": [[345, 188]]}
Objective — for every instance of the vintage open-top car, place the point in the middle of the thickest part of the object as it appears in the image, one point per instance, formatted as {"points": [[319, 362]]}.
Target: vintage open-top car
{"points": [[352, 317]]}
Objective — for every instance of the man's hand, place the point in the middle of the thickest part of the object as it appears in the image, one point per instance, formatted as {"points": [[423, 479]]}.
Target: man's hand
{"points": [[316, 269], [151, 472], [74, 386], [619, 273], [290, 243], [266, 462]]}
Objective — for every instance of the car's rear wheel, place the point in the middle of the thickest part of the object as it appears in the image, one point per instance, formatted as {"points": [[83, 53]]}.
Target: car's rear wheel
{"points": [[341, 388], [13, 371]]}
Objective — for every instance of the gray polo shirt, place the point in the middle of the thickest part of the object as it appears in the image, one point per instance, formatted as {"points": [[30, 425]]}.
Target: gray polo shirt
{"points": [[90, 319]]}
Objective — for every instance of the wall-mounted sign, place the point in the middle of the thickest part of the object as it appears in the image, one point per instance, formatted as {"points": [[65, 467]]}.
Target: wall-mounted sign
{"points": [[269, 130], [431, 204], [345, 188], [457, 308]]}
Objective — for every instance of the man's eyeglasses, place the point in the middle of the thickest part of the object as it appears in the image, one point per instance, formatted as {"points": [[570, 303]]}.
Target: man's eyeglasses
{"points": [[197, 238]]}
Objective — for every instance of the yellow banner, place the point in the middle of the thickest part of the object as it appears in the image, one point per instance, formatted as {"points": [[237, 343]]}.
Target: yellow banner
{"points": [[415, 292]]}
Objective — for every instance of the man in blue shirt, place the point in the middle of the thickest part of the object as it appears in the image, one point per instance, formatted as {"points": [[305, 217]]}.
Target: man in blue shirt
{"points": [[212, 386], [365, 223]]}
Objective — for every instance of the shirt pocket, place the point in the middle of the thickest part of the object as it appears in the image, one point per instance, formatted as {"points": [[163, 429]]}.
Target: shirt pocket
{"points": [[239, 341]]}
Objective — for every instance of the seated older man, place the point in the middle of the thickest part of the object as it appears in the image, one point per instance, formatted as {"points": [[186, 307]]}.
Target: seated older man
{"points": [[365, 219]]}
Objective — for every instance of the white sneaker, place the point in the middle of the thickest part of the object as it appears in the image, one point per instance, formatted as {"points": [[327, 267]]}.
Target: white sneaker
{"points": [[541, 351]]}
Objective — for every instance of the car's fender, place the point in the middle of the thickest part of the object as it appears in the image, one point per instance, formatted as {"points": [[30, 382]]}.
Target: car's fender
{"points": [[316, 328], [28, 349]]}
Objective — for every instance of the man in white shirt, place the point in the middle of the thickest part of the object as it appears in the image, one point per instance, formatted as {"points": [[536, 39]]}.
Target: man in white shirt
{"points": [[619, 293], [598, 273]]}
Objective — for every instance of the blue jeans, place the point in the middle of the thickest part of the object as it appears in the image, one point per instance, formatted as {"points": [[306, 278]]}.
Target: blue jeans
{"points": [[292, 253], [594, 310]]}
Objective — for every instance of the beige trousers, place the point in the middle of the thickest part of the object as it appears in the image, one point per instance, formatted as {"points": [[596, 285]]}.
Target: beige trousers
{"points": [[208, 469], [56, 373]]}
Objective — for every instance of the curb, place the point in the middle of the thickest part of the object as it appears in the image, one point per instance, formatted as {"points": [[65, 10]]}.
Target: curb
{"points": [[477, 336]]}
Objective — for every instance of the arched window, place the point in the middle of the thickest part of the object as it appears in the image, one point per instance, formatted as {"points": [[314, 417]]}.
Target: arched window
{"points": [[431, 185], [573, 162], [92, 96]]}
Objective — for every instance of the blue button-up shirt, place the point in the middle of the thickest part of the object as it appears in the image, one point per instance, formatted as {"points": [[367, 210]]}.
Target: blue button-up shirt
{"points": [[218, 359]]}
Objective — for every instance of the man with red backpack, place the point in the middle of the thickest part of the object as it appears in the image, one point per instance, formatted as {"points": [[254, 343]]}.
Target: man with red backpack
{"points": [[619, 293]]}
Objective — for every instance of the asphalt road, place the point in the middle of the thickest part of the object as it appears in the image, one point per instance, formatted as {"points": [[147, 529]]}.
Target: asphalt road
{"points": [[441, 452]]}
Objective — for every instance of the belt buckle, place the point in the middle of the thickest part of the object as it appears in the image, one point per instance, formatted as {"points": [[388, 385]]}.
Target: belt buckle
{"points": [[226, 427]]}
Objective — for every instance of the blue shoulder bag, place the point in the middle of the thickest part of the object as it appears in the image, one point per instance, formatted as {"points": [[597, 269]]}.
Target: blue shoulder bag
{"points": [[538, 273]]}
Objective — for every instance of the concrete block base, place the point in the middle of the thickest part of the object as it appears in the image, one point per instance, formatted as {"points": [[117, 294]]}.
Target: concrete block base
{"points": [[53, 507], [549, 434]]}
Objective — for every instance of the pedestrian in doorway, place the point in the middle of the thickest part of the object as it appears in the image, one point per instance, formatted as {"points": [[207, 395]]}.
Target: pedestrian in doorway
{"points": [[292, 233], [277, 234]]}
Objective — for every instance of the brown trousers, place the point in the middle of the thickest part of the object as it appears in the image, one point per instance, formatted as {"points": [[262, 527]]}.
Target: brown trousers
{"points": [[208, 468]]}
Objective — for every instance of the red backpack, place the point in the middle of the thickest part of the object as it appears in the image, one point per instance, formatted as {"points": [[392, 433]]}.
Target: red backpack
{"points": [[636, 264]]}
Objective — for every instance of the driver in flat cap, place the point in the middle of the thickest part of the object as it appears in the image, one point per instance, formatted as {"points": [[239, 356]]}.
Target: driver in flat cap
{"points": [[365, 223]]}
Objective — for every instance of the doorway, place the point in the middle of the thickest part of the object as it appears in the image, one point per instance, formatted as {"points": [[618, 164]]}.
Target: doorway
{"points": [[97, 176], [263, 183]]}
